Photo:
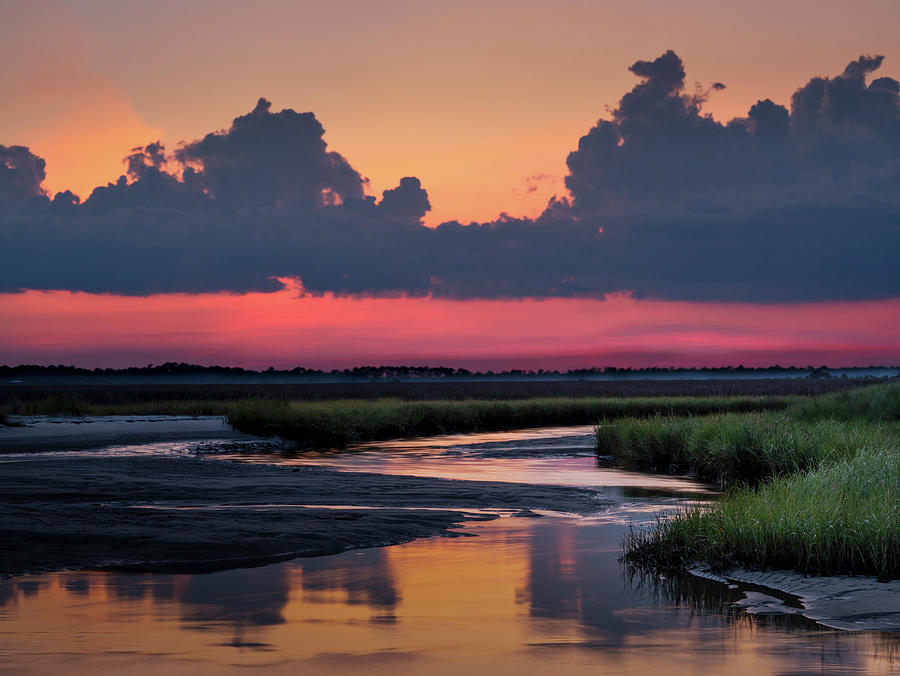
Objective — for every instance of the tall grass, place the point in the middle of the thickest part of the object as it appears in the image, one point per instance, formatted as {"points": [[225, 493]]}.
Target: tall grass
{"points": [[840, 518], [338, 422], [732, 448], [827, 493], [876, 402], [343, 422]]}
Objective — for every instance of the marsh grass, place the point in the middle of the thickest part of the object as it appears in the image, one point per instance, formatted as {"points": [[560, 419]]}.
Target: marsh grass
{"points": [[342, 422], [339, 422], [733, 448], [840, 518], [815, 488], [874, 403]]}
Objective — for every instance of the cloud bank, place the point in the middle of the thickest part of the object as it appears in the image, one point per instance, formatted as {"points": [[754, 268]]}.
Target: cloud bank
{"points": [[664, 202]]}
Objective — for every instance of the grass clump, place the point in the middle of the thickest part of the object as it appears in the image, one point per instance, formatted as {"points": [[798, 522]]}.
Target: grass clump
{"points": [[349, 421], [874, 403], [731, 449], [339, 422], [839, 518], [815, 488]]}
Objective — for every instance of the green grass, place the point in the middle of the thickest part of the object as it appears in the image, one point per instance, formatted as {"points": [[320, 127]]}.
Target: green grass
{"points": [[815, 482], [816, 488], [343, 422], [875, 403], [733, 448], [339, 422], [839, 518]]}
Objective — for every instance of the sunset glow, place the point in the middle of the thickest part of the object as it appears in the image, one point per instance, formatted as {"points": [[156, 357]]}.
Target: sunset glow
{"points": [[284, 330], [482, 103]]}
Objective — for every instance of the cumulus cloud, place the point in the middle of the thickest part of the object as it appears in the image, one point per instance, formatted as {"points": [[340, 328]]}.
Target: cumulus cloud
{"points": [[799, 203], [272, 159], [408, 202], [21, 173]]}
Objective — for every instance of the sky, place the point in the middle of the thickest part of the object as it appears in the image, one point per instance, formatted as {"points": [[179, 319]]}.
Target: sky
{"points": [[479, 184]]}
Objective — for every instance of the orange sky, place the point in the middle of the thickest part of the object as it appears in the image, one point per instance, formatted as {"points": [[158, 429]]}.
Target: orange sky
{"points": [[482, 100], [474, 98]]}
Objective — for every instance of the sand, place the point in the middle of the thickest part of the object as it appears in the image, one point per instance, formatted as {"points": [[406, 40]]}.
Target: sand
{"points": [[854, 603], [191, 513], [67, 433]]}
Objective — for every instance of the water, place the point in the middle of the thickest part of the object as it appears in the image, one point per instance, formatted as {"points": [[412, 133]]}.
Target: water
{"points": [[560, 456], [527, 596]]}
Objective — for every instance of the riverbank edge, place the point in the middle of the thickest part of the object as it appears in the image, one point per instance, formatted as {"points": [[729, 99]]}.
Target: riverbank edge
{"points": [[208, 513], [844, 602]]}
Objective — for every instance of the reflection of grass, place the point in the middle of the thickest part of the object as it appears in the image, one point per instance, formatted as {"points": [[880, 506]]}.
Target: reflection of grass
{"points": [[828, 501], [339, 422]]}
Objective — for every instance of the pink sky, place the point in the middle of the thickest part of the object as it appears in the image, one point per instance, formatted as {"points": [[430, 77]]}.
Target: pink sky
{"points": [[284, 330]]}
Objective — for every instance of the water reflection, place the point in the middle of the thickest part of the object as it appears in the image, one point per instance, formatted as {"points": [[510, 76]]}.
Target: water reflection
{"points": [[563, 456], [241, 598], [574, 575], [525, 596], [364, 578]]}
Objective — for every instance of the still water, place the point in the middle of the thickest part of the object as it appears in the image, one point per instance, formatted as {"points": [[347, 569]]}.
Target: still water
{"points": [[559, 456], [526, 596]]}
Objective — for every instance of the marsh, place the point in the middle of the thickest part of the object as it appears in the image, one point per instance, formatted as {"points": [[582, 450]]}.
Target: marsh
{"points": [[200, 551]]}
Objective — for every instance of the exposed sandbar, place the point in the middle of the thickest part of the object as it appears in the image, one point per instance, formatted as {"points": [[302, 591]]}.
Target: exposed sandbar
{"points": [[855, 603], [201, 513], [67, 433]]}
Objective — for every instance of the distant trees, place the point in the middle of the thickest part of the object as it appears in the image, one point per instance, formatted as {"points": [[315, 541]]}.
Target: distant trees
{"points": [[386, 373]]}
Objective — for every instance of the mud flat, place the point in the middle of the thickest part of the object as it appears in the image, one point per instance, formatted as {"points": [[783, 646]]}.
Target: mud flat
{"points": [[854, 603], [41, 433], [195, 512]]}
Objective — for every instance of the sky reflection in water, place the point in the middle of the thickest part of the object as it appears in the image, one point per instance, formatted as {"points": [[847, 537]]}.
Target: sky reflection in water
{"points": [[549, 455], [527, 596]]}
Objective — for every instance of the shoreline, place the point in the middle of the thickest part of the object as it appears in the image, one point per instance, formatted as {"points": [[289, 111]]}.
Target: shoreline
{"points": [[191, 513], [90, 511], [845, 602], [62, 433]]}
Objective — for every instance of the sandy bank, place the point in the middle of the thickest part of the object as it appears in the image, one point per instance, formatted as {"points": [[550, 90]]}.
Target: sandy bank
{"points": [[57, 434], [189, 514], [853, 603]]}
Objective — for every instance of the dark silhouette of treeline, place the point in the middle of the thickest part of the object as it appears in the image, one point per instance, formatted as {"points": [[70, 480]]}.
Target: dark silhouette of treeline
{"points": [[382, 373]]}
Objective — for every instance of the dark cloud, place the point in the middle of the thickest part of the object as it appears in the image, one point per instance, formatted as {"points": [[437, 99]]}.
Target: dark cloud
{"points": [[21, 173], [842, 126], [657, 146], [783, 204], [146, 160], [272, 159], [408, 202]]}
